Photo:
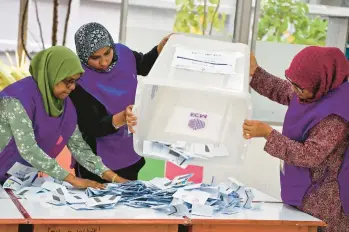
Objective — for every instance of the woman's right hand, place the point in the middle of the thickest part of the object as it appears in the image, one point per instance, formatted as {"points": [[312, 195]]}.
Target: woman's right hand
{"points": [[83, 183], [253, 64]]}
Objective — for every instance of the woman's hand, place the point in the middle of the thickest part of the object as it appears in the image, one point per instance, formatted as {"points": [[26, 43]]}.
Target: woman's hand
{"points": [[255, 129], [119, 119], [83, 183], [253, 64], [163, 43], [131, 119], [112, 177]]}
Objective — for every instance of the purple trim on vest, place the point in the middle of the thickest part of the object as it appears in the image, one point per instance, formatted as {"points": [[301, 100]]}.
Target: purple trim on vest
{"points": [[47, 130], [115, 90], [299, 119]]}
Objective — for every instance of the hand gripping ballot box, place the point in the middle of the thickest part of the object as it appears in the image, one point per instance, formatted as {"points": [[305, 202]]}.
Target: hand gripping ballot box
{"points": [[192, 105]]}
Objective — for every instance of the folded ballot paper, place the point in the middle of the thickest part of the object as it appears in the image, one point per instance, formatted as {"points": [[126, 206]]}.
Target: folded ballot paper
{"points": [[177, 197], [182, 153], [20, 176]]}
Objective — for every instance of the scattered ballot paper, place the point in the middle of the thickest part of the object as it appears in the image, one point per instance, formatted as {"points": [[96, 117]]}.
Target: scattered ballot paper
{"points": [[193, 196], [13, 183], [100, 201], [57, 199], [20, 171], [51, 186], [76, 198], [176, 210], [182, 153], [164, 152], [29, 191], [177, 197]]}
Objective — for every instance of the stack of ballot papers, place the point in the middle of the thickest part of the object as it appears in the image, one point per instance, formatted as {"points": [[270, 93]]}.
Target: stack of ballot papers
{"points": [[177, 197], [182, 153]]}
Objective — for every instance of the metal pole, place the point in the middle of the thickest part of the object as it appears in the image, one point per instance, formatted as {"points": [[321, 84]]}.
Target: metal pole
{"points": [[257, 8], [123, 21], [242, 21], [237, 20]]}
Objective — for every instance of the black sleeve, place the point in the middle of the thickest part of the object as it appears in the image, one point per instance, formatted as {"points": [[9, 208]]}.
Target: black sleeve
{"points": [[146, 61], [93, 118]]}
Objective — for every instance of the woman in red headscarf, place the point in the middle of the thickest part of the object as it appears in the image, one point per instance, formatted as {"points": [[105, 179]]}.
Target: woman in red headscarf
{"points": [[314, 142]]}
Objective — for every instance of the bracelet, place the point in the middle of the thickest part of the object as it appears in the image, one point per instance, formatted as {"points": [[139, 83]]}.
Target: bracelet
{"points": [[113, 179]]}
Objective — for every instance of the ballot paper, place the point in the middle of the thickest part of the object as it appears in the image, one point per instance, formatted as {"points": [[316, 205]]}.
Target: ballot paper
{"points": [[249, 198], [19, 170], [81, 207], [193, 196], [28, 179], [29, 191], [51, 186], [76, 198], [181, 180], [13, 183], [176, 210], [225, 189], [181, 153], [235, 184], [161, 183], [162, 151], [39, 197], [57, 199], [100, 201], [173, 197], [40, 180]]}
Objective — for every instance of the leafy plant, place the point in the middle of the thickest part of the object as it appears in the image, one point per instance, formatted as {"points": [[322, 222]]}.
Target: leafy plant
{"points": [[287, 21], [199, 16], [13, 72]]}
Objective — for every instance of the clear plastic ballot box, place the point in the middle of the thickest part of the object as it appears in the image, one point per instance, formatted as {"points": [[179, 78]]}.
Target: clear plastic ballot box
{"points": [[192, 105]]}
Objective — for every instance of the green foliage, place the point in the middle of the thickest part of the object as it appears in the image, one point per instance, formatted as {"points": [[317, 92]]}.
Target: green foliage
{"points": [[199, 16], [287, 21]]}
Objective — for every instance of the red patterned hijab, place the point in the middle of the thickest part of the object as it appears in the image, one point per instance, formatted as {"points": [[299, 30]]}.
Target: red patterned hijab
{"points": [[319, 70]]}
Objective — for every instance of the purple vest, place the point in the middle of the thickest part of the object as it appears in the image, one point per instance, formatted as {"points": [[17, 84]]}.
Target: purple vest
{"points": [[299, 119], [115, 90], [51, 133]]}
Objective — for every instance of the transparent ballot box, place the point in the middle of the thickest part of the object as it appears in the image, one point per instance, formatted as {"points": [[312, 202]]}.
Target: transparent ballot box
{"points": [[192, 105]]}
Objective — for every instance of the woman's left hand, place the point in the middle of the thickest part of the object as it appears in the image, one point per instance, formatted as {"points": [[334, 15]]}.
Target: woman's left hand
{"points": [[163, 42], [255, 129], [131, 119]]}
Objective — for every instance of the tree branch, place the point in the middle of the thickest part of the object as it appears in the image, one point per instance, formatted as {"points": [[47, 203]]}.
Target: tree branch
{"points": [[214, 15], [55, 22], [204, 21], [22, 29], [39, 23], [66, 22]]}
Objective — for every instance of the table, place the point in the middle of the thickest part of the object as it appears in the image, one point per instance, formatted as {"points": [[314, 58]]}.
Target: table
{"points": [[262, 197], [10, 216], [271, 217], [3, 193], [49, 218]]}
